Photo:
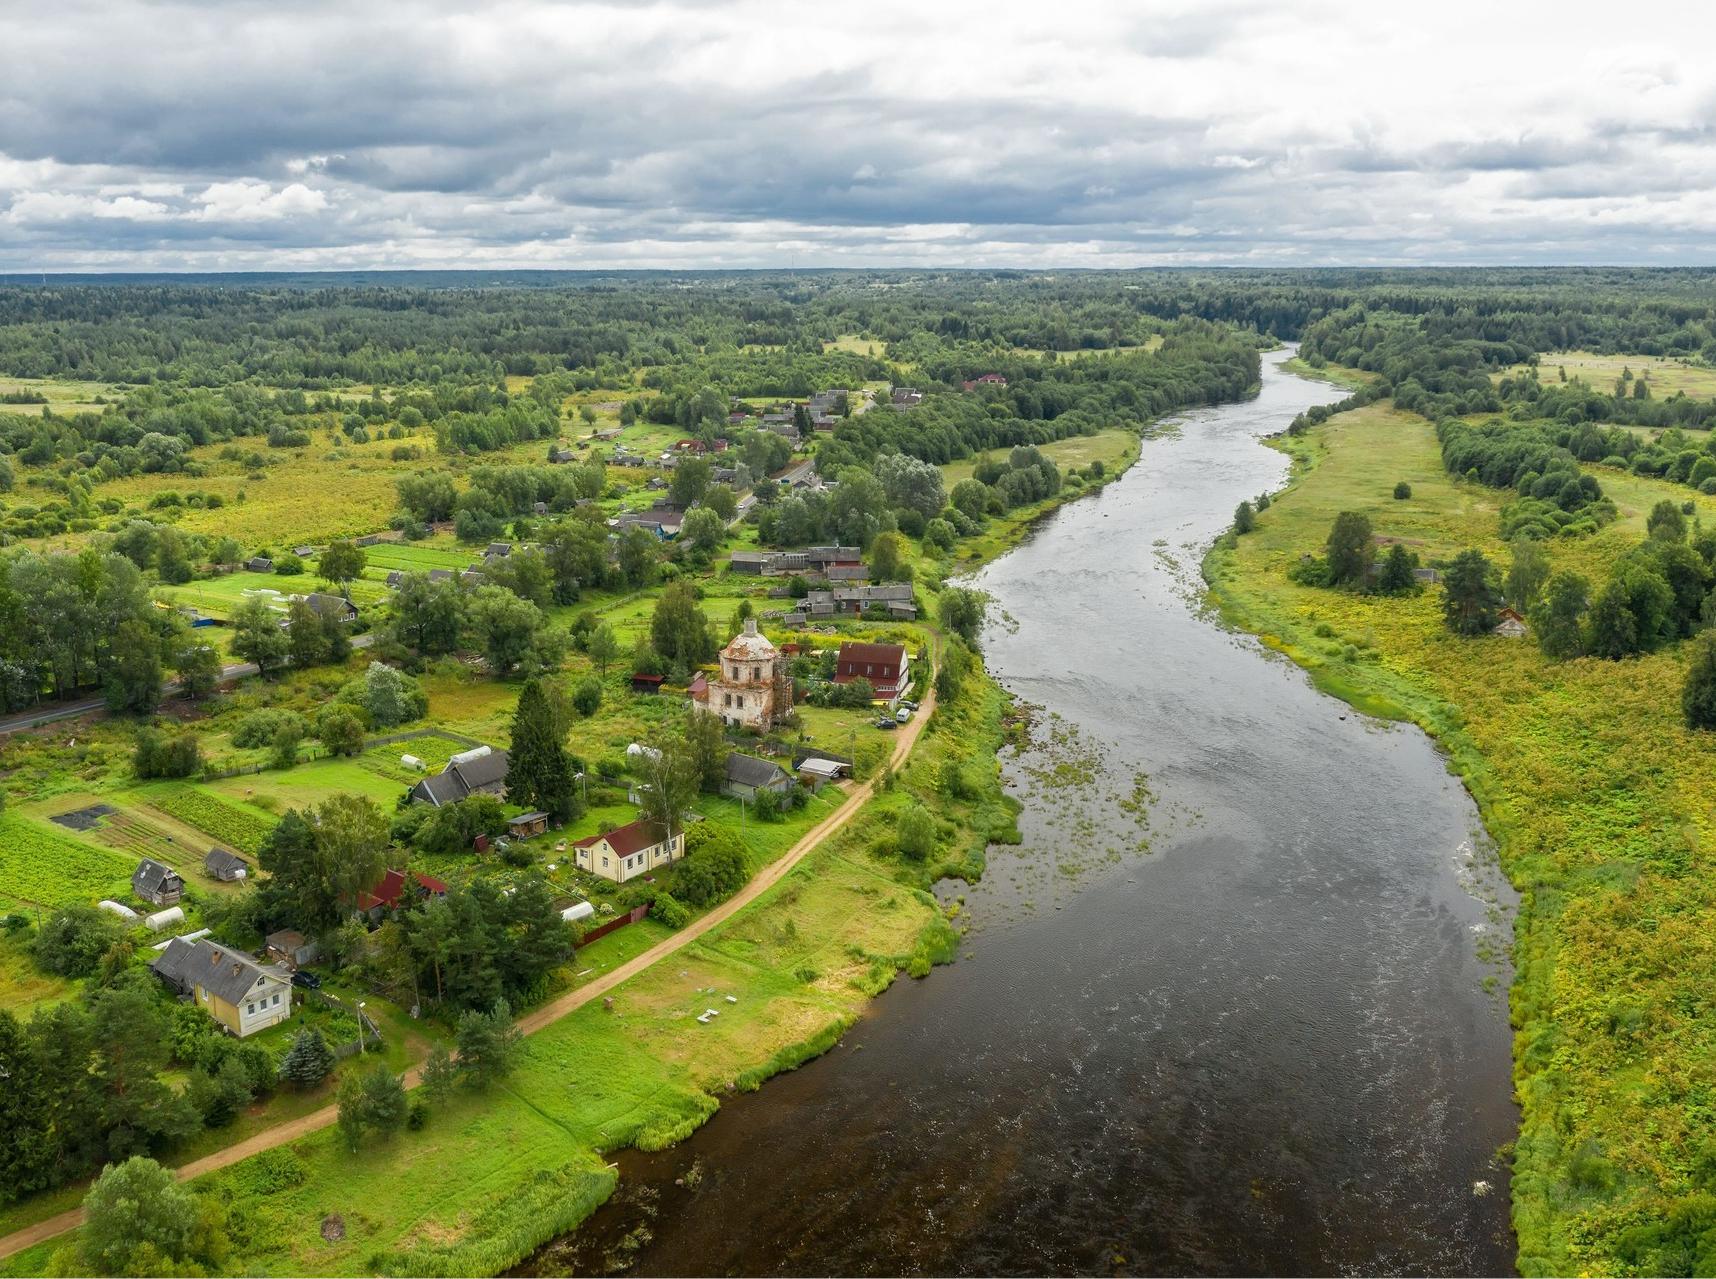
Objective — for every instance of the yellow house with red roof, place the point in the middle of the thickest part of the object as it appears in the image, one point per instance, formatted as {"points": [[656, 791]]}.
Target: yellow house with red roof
{"points": [[628, 851]]}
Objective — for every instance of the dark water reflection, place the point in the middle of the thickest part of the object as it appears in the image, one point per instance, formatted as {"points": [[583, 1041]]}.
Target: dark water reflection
{"points": [[1273, 1043]]}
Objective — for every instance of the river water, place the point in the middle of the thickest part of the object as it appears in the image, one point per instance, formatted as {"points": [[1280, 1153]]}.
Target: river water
{"points": [[1236, 1004]]}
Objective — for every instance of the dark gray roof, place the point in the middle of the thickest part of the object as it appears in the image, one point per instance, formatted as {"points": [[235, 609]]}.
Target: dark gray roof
{"points": [[748, 770], [458, 780], [326, 605], [224, 973], [396, 577], [173, 963], [152, 877], [219, 859]]}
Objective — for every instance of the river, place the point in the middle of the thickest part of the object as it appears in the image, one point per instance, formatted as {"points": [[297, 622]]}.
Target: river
{"points": [[1236, 1004]]}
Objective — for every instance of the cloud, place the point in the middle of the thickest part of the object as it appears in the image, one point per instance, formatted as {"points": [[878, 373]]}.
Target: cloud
{"points": [[211, 134]]}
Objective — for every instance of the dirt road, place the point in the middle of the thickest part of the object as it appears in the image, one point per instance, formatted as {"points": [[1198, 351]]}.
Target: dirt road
{"points": [[549, 1013]]}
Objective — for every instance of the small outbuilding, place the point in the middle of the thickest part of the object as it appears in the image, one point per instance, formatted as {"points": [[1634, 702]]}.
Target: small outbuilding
{"points": [[526, 825], [225, 866], [291, 949]]}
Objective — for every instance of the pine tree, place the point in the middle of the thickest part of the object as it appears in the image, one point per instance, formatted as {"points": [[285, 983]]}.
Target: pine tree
{"points": [[308, 1061], [539, 771]]}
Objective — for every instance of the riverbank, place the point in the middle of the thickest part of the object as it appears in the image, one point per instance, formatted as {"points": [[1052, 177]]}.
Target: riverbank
{"points": [[1596, 796]]}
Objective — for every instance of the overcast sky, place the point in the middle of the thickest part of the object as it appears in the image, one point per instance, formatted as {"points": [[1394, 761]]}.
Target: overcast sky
{"points": [[209, 135]]}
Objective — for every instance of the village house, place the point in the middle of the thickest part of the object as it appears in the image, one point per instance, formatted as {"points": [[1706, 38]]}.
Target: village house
{"points": [[234, 989], [498, 551], [259, 564], [905, 397], [895, 599], [1510, 624], [157, 884], [335, 606], [559, 457], [987, 379], [225, 866], [746, 775], [390, 892], [480, 771], [628, 851], [886, 666], [751, 688]]}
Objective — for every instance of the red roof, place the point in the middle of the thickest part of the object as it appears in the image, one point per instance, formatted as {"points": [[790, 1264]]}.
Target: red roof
{"points": [[392, 887], [881, 664], [699, 687], [625, 840]]}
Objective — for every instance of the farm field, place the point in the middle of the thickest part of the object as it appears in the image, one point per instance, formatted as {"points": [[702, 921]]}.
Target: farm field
{"points": [[1588, 779]]}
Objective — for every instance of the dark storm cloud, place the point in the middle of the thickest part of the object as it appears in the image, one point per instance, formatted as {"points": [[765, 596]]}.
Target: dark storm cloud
{"points": [[734, 132]]}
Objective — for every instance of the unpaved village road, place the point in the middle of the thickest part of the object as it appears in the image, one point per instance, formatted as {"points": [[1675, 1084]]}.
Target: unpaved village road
{"points": [[549, 1013]]}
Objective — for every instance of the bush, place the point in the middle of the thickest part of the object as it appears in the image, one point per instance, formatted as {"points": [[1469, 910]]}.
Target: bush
{"points": [[915, 834], [260, 728], [157, 756], [714, 867], [587, 696], [667, 910], [73, 941], [1402, 491]]}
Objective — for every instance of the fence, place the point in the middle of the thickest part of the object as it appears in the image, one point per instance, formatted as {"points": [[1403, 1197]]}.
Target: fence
{"points": [[632, 916], [368, 1035]]}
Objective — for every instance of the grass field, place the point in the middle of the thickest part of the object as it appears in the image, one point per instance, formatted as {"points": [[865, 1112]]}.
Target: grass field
{"points": [[1115, 448], [1665, 376], [1599, 800], [41, 865], [1085, 353], [852, 344], [62, 397]]}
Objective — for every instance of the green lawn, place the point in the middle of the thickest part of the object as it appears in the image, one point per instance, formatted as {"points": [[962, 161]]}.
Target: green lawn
{"points": [[1114, 448], [1665, 377]]}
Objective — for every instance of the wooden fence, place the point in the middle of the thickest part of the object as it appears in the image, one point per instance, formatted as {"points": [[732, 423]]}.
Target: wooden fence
{"points": [[632, 916]]}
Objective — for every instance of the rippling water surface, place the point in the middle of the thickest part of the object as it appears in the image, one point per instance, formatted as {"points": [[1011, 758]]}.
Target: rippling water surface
{"points": [[1237, 1004]]}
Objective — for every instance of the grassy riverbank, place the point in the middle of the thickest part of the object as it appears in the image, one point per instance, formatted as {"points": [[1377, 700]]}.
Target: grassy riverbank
{"points": [[1599, 800]]}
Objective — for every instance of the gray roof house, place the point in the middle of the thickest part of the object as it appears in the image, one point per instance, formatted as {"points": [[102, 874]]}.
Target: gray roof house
{"points": [[474, 772], [259, 564], [157, 884], [334, 606], [231, 987], [746, 775], [226, 866]]}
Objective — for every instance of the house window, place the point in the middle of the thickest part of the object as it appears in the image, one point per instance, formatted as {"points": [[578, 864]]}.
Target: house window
{"points": [[248, 1009], [604, 861], [277, 1001]]}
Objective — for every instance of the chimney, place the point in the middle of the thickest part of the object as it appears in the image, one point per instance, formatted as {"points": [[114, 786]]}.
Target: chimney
{"points": [[750, 626]]}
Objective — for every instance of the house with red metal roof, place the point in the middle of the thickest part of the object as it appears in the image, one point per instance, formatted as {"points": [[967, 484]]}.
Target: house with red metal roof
{"points": [[628, 851], [390, 892], [886, 666]]}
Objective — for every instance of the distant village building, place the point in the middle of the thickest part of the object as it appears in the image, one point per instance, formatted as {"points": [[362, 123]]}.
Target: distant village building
{"points": [[480, 771], [905, 397], [259, 564], [628, 851], [751, 688], [987, 379], [157, 884], [1511, 625], [234, 989]]}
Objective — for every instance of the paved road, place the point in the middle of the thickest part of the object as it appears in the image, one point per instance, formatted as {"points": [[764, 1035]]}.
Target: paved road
{"points": [[549, 1013], [37, 716]]}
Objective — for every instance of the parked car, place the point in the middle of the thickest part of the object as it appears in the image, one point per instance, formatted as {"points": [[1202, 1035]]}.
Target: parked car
{"points": [[908, 704], [885, 722], [309, 981], [904, 714]]}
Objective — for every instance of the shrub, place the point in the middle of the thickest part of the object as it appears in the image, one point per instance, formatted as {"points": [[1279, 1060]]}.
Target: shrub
{"points": [[1402, 491]]}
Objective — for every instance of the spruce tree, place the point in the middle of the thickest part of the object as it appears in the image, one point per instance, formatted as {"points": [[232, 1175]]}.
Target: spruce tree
{"points": [[539, 771], [308, 1061]]}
